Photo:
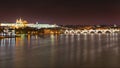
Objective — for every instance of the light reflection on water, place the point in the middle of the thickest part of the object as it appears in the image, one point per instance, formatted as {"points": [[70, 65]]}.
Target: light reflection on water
{"points": [[64, 51]]}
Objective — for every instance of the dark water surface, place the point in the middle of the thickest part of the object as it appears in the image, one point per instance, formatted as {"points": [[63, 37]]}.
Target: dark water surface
{"points": [[61, 51]]}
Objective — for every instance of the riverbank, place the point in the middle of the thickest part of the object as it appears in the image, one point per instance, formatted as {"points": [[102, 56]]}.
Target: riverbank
{"points": [[1, 37]]}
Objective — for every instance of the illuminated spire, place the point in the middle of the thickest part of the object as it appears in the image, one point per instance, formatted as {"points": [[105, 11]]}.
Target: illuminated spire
{"points": [[20, 19]]}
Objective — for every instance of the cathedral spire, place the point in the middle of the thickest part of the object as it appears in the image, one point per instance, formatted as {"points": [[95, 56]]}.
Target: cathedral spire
{"points": [[20, 19]]}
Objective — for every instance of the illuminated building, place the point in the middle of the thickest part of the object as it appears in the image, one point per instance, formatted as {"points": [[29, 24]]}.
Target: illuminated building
{"points": [[23, 23]]}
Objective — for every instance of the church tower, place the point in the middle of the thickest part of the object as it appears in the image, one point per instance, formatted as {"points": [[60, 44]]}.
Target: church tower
{"points": [[19, 21]]}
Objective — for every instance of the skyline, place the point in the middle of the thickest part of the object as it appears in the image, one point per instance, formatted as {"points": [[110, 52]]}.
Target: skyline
{"points": [[61, 12]]}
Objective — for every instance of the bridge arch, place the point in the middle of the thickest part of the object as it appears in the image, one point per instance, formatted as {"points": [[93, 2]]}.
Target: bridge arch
{"points": [[115, 31], [92, 31], [108, 31], [66, 32], [84, 31], [72, 32], [99, 31], [78, 32]]}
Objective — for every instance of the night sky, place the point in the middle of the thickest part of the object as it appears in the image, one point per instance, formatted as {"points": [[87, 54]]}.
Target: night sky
{"points": [[61, 11]]}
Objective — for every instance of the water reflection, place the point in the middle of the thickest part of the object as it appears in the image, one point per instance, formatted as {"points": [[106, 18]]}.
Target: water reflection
{"points": [[7, 42], [64, 51]]}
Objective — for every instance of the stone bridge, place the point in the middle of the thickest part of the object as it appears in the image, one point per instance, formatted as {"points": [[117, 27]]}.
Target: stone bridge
{"points": [[104, 31]]}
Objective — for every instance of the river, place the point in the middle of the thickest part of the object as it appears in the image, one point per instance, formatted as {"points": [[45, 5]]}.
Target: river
{"points": [[61, 51]]}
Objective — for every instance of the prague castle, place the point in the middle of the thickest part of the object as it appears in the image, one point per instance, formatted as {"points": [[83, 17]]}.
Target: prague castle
{"points": [[23, 23]]}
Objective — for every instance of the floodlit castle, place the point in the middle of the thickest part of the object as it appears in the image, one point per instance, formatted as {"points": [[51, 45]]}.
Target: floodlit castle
{"points": [[23, 23]]}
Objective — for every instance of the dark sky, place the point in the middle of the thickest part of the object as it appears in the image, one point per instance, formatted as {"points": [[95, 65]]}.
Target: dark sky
{"points": [[61, 11]]}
